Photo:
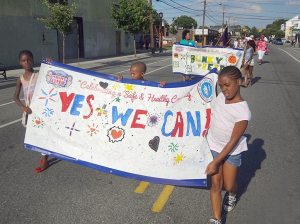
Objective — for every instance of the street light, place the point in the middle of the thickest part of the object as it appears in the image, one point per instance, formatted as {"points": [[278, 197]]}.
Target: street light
{"points": [[161, 15]]}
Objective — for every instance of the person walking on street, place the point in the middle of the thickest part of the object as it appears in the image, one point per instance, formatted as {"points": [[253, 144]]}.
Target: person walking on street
{"points": [[261, 49], [225, 138]]}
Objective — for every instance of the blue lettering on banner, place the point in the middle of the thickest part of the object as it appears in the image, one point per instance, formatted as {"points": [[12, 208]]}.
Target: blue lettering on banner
{"points": [[191, 124], [77, 104], [163, 128], [116, 116]]}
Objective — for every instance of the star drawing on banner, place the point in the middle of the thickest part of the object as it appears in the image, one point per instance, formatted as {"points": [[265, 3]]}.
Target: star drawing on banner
{"points": [[48, 96], [128, 87], [72, 129], [93, 129], [179, 158], [118, 99], [115, 86]]}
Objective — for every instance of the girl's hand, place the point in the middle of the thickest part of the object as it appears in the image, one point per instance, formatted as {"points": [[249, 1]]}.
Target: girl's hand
{"points": [[27, 110], [120, 77], [162, 83], [212, 168]]}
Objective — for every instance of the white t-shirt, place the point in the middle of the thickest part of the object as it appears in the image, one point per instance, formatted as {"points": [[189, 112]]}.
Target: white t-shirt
{"points": [[224, 117]]}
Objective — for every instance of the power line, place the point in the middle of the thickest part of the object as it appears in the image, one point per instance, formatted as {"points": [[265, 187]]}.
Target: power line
{"points": [[186, 6], [193, 13]]}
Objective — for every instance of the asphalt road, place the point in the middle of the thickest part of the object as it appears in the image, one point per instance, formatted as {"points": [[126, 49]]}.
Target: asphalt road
{"points": [[68, 193]]}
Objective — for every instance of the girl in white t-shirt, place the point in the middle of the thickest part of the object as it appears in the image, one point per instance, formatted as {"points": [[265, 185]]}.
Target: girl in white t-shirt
{"points": [[230, 116]]}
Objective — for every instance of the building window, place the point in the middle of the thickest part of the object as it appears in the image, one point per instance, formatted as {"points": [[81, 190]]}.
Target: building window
{"points": [[62, 2]]}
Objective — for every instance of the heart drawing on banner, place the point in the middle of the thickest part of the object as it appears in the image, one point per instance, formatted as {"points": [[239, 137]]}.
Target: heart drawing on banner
{"points": [[116, 134], [154, 143], [104, 85]]}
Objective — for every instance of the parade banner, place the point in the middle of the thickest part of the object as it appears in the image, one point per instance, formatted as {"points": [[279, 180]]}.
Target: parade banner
{"points": [[199, 61], [130, 128]]}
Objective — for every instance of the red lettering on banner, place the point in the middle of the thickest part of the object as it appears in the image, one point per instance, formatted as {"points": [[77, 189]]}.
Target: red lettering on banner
{"points": [[66, 100], [88, 100], [136, 118], [179, 125], [208, 115]]}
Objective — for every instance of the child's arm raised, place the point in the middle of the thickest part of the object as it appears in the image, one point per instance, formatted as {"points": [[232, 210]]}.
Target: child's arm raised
{"points": [[17, 97], [237, 132]]}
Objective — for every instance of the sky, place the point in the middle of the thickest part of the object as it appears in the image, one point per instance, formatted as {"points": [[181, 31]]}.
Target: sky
{"points": [[250, 13]]}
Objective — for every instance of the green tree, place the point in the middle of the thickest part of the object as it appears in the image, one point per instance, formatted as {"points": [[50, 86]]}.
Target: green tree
{"points": [[186, 22], [133, 16], [173, 30], [254, 31], [274, 28], [60, 18]]}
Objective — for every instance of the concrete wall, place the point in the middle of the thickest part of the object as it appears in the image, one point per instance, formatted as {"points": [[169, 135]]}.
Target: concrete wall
{"points": [[20, 29]]}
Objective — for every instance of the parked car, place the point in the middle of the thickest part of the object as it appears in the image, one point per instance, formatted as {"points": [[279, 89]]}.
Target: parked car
{"points": [[278, 41], [283, 40]]}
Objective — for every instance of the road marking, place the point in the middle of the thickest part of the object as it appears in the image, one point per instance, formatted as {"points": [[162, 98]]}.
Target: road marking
{"points": [[163, 198], [9, 103], [289, 55], [10, 123], [142, 187], [6, 103], [158, 69], [147, 64]]}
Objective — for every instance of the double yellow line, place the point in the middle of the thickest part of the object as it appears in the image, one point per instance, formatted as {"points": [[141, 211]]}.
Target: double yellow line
{"points": [[162, 199]]}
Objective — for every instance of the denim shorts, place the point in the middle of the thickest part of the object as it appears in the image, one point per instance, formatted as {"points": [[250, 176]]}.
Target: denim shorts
{"points": [[235, 160]]}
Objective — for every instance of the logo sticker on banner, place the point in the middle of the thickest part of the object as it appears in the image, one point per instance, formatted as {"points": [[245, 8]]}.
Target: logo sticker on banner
{"points": [[131, 128], [205, 89]]}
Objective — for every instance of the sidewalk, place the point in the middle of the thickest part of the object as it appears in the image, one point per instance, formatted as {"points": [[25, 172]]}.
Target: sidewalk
{"points": [[94, 64]]}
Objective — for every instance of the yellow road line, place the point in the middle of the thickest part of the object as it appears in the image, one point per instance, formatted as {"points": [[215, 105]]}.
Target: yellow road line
{"points": [[142, 187], [163, 198]]}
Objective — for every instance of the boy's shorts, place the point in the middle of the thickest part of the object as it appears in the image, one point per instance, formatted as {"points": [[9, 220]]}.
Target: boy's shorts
{"points": [[235, 160]]}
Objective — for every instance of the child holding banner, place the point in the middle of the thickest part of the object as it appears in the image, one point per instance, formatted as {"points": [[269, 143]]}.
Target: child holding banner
{"points": [[27, 81], [230, 116], [137, 71]]}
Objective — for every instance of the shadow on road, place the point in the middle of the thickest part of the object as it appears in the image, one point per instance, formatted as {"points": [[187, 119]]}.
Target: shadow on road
{"points": [[255, 80], [53, 161], [251, 162]]}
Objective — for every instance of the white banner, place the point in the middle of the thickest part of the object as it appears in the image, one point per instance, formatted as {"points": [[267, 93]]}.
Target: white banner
{"points": [[131, 128], [200, 61]]}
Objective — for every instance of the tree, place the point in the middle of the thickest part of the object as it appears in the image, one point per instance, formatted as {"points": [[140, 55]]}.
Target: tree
{"points": [[173, 30], [133, 16], [186, 22], [254, 31], [60, 18], [274, 28]]}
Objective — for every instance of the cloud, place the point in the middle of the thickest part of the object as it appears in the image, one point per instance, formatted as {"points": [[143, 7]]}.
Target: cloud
{"points": [[293, 3], [256, 8]]}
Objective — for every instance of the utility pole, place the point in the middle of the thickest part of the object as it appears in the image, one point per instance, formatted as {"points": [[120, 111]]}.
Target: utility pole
{"points": [[223, 19], [203, 22], [151, 29]]}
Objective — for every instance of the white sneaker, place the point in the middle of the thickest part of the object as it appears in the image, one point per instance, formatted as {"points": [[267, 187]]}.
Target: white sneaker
{"points": [[215, 221], [229, 202]]}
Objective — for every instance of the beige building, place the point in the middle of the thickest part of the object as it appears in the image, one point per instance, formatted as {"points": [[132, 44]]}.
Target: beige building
{"points": [[93, 32], [291, 27]]}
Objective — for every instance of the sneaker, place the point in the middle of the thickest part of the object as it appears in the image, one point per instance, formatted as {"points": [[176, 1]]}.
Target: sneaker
{"points": [[215, 221], [229, 202]]}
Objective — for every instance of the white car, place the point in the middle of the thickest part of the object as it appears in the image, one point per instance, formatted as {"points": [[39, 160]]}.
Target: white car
{"points": [[283, 40]]}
